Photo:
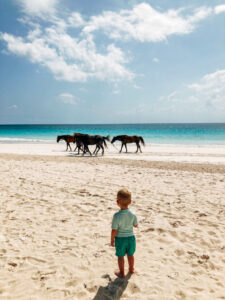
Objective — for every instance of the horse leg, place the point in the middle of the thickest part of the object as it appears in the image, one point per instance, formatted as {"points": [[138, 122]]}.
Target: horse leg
{"points": [[77, 147], [121, 148], [78, 151], [88, 150], [67, 145], [102, 150], [98, 148], [137, 146], [81, 148], [95, 152], [126, 147], [85, 149]]}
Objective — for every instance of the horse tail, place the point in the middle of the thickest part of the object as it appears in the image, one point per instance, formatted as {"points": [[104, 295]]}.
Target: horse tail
{"points": [[142, 140]]}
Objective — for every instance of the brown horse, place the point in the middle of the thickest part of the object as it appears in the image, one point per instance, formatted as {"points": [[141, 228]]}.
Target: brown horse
{"points": [[67, 138], [126, 139], [87, 139], [70, 139]]}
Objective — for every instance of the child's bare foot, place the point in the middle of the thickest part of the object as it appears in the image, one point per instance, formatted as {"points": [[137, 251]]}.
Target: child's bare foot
{"points": [[132, 271], [119, 274]]}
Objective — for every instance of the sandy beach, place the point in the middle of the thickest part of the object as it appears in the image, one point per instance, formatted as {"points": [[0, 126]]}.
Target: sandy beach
{"points": [[56, 211]]}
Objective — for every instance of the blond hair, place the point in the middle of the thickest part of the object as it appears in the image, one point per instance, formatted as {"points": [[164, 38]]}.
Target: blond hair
{"points": [[124, 197]]}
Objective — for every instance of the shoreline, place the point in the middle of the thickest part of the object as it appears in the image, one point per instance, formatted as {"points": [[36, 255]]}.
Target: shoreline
{"points": [[183, 154], [148, 143]]}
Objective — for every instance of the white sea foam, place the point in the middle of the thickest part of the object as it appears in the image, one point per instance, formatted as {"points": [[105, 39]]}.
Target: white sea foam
{"points": [[24, 140], [214, 145]]}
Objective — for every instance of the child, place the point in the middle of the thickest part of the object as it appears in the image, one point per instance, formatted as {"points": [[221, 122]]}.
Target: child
{"points": [[122, 232]]}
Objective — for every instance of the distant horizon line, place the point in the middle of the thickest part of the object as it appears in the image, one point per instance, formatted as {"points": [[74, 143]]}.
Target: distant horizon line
{"points": [[154, 123]]}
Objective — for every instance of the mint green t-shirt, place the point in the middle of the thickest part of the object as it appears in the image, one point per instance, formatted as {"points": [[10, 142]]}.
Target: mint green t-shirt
{"points": [[123, 221]]}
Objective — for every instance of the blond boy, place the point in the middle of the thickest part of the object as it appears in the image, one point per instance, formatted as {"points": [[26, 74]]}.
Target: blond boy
{"points": [[122, 235]]}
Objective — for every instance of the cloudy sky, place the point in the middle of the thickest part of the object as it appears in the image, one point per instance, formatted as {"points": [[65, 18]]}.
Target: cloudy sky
{"points": [[114, 61]]}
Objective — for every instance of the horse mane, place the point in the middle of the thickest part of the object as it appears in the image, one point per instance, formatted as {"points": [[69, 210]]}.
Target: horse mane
{"points": [[116, 138]]}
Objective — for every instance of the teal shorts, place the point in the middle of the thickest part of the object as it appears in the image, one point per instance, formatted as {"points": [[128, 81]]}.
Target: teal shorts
{"points": [[125, 245]]}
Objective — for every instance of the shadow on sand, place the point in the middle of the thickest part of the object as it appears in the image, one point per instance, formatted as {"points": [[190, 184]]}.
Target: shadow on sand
{"points": [[114, 289]]}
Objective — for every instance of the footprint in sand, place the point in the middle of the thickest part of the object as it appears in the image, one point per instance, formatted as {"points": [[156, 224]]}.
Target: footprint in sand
{"points": [[211, 233], [134, 288], [179, 252], [71, 283], [34, 260]]}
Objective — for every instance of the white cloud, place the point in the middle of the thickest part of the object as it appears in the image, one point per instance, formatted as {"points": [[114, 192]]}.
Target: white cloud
{"points": [[173, 96], [116, 92], [75, 20], [202, 101], [200, 14], [155, 59], [145, 24], [205, 96], [78, 59], [14, 107], [69, 58], [67, 98], [38, 7], [211, 89], [220, 9], [136, 86]]}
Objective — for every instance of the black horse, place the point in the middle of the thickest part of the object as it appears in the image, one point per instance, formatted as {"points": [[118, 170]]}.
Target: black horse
{"points": [[87, 139], [125, 139]]}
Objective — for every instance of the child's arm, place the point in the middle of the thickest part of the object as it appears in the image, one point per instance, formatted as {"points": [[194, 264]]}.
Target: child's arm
{"points": [[113, 234], [135, 223]]}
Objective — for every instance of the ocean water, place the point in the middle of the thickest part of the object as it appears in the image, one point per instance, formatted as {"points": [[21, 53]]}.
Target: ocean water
{"points": [[176, 134]]}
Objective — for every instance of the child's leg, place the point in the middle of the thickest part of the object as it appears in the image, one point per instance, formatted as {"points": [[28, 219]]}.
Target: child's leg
{"points": [[121, 267], [131, 263]]}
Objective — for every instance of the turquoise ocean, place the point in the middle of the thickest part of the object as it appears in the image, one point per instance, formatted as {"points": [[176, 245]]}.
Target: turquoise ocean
{"points": [[175, 134]]}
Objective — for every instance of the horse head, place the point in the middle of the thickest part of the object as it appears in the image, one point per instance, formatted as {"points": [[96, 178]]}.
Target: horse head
{"points": [[114, 139], [58, 138]]}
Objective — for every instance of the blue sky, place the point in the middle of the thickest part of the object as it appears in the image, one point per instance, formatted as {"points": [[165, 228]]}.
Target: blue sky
{"points": [[112, 61]]}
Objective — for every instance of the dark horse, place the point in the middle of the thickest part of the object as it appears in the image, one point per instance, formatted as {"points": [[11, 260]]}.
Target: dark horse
{"points": [[125, 139], [87, 139], [69, 139]]}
